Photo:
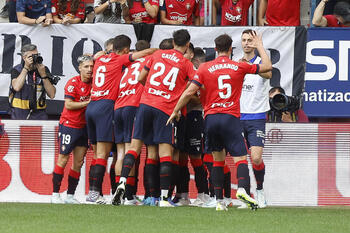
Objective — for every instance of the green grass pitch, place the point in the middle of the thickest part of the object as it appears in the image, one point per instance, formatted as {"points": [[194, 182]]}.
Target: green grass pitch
{"points": [[25, 217]]}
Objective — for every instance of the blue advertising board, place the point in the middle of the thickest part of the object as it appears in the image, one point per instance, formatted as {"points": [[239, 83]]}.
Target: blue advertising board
{"points": [[327, 89]]}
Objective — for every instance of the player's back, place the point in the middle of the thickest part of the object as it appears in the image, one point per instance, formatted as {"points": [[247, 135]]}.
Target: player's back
{"points": [[107, 74], [223, 79], [130, 90], [168, 74]]}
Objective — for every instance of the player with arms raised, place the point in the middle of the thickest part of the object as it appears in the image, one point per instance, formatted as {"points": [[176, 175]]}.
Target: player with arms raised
{"points": [[221, 81]]}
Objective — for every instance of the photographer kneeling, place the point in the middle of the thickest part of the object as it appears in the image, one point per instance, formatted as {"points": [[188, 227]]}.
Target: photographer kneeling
{"points": [[285, 108], [30, 82]]}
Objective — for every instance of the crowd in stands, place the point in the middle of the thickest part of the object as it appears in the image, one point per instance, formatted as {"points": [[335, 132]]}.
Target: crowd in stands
{"points": [[331, 13]]}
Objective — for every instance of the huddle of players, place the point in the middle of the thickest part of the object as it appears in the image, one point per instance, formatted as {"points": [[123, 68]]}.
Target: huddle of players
{"points": [[165, 75]]}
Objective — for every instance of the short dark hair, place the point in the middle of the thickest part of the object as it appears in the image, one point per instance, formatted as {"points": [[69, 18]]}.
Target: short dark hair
{"points": [[279, 89], [247, 31], [191, 47], [223, 43], [199, 54], [28, 47], [166, 44], [181, 37], [120, 42], [142, 45]]}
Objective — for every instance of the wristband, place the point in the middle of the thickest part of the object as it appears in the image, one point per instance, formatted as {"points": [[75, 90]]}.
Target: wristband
{"points": [[26, 69], [44, 77]]}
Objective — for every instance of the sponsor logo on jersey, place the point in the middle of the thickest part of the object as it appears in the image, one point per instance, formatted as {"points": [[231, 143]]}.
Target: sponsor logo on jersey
{"points": [[233, 18], [222, 105], [178, 16], [99, 93], [159, 93], [247, 87], [127, 92]]}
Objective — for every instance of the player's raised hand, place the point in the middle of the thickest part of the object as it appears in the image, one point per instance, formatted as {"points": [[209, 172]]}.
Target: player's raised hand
{"points": [[173, 116], [256, 40]]}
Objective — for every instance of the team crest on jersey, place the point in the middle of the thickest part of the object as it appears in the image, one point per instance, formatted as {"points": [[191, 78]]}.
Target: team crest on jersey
{"points": [[188, 6], [63, 147], [239, 10], [74, 80], [82, 89], [70, 88]]}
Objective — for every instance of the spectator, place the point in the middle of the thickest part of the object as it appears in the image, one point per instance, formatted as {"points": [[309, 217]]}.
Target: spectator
{"points": [[5, 10], [279, 13], [145, 11], [233, 12], [179, 12], [284, 116], [34, 12], [89, 15], [68, 12], [30, 82], [340, 17], [111, 11]]}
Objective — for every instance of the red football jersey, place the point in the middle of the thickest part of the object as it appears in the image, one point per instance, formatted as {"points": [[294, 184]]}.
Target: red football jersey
{"points": [[222, 79], [78, 91], [80, 12], [139, 11], [332, 21], [234, 14], [283, 12], [168, 74], [107, 74], [130, 90], [184, 10]]}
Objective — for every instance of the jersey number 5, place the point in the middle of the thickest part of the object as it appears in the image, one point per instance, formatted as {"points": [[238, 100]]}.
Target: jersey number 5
{"points": [[223, 86]]}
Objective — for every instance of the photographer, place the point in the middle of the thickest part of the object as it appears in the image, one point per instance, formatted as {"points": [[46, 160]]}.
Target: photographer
{"points": [[30, 82], [285, 108]]}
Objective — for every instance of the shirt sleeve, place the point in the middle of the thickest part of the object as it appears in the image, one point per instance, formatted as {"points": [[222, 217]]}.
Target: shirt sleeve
{"points": [[197, 78], [81, 11], [14, 74], [249, 68], [149, 63], [190, 71], [126, 59], [70, 91], [331, 20], [20, 6], [48, 6]]}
